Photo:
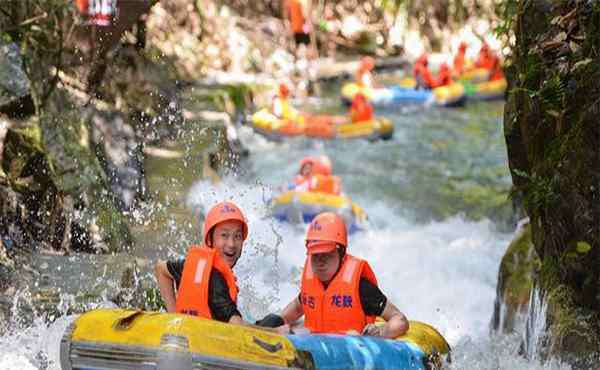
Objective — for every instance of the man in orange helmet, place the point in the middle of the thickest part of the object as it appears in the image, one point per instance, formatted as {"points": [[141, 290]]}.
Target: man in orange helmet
{"points": [[206, 285], [361, 109], [485, 59], [339, 292], [489, 60], [444, 77], [364, 76], [458, 64], [310, 166], [422, 74], [281, 106]]}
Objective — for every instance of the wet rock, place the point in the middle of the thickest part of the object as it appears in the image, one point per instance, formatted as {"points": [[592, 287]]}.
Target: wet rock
{"points": [[553, 155], [121, 156], [4, 125], [515, 281], [14, 85], [87, 204]]}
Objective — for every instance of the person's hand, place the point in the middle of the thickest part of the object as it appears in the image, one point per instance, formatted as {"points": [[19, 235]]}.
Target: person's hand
{"points": [[283, 329], [352, 332], [373, 330]]}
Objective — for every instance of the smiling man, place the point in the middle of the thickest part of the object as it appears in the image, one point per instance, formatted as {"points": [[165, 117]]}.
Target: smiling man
{"points": [[205, 283]]}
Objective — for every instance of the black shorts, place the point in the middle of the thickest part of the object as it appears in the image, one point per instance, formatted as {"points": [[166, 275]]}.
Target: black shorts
{"points": [[302, 38]]}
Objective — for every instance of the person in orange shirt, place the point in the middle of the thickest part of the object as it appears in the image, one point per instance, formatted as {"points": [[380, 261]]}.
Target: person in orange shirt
{"points": [[294, 13], [444, 77], [281, 106], [364, 77], [458, 64], [489, 60], [361, 110], [203, 283], [339, 293], [310, 166], [496, 72], [485, 59], [422, 74]]}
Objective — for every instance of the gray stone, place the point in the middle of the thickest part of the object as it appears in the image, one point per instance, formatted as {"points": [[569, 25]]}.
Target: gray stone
{"points": [[13, 81]]}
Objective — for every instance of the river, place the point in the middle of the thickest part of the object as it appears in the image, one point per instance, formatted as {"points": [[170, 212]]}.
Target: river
{"points": [[439, 223]]}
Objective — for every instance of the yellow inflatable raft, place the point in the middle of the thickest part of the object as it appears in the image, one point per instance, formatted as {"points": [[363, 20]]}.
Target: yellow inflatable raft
{"points": [[118, 339], [302, 206], [320, 127]]}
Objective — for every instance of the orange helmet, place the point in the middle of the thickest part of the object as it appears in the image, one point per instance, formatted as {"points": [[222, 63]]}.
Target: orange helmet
{"points": [[367, 63], [284, 91], [224, 211], [324, 232]]}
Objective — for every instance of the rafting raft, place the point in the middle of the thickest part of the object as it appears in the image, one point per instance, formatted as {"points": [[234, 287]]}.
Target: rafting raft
{"points": [[302, 206], [320, 127], [119, 339], [444, 96]]}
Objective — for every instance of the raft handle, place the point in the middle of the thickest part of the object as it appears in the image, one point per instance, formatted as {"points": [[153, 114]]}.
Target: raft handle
{"points": [[267, 346]]}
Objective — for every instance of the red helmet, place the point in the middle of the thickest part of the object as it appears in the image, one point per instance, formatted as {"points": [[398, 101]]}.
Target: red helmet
{"points": [[444, 67], [224, 211], [284, 91], [367, 63], [326, 231], [462, 46]]}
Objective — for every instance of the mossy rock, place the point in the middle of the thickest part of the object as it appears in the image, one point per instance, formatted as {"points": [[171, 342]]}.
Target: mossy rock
{"points": [[573, 327], [515, 281], [76, 172]]}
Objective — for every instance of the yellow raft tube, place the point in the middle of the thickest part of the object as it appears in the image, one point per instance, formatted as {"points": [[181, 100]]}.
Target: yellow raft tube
{"points": [[302, 206], [320, 127], [118, 339]]}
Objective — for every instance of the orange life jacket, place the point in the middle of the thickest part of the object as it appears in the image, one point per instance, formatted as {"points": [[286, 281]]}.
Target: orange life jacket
{"points": [[325, 184], [444, 78], [486, 59], [296, 14], [338, 308], [423, 76], [459, 63], [192, 295], [496, 72], [361, 110]]}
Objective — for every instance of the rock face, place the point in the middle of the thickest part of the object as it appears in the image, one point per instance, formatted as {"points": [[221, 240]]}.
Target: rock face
{"points": [[121, 156], [14, 85], [515, 281], [553, 140], [13, 81]]}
